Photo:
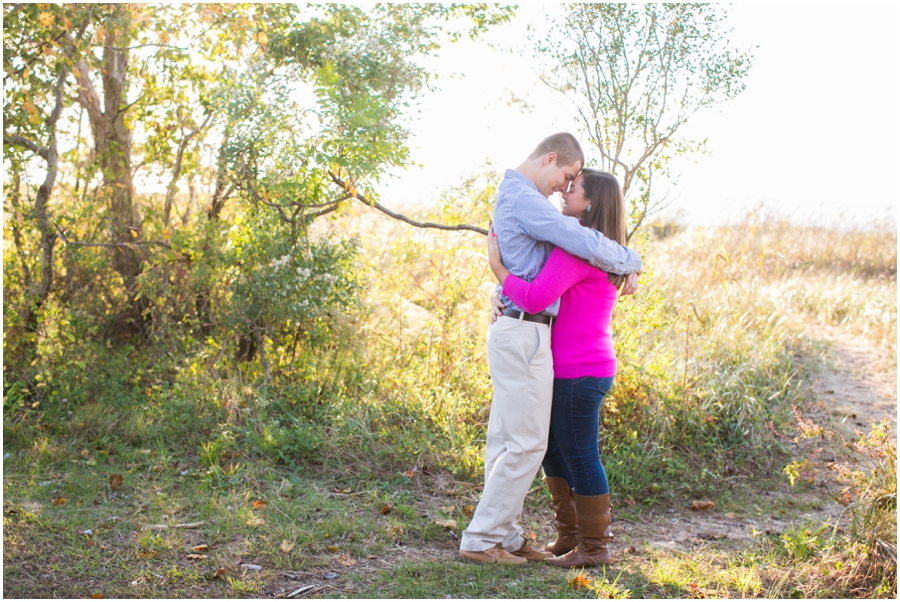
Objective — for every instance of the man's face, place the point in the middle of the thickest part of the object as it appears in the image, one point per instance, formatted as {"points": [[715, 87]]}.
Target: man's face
{"points": [[555, 177]]}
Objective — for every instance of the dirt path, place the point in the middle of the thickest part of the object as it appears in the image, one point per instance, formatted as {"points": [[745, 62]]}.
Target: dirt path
{"points": [[860, 389], [854, 387]]}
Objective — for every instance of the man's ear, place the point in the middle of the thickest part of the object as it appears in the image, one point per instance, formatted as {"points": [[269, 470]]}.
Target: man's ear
{"points": [[549, 158]]}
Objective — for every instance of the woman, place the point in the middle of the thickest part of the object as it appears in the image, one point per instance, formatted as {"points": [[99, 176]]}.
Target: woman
{"points": [[584, 365]]}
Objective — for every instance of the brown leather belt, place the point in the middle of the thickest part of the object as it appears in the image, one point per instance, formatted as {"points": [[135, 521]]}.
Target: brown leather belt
{"points": [[539, 318]]}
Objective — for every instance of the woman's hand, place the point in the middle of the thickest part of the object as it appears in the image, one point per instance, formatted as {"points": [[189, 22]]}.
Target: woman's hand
{"points": [[494, 257], [497, 307], [493, 249]]}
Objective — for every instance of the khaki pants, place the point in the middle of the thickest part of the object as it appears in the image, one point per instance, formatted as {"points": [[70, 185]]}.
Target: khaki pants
{"points": [[522, 375]]}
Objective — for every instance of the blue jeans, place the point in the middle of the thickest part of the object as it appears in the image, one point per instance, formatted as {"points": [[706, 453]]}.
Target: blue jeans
{"points": [[572, 449]]}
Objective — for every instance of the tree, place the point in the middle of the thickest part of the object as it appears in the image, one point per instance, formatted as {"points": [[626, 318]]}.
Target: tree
{"points": [[37, 54], [291, 111], [637, 73]]}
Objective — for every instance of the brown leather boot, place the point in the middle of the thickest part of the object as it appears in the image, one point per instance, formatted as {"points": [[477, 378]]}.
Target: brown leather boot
{"points": [[594, 533], [564, 516]]}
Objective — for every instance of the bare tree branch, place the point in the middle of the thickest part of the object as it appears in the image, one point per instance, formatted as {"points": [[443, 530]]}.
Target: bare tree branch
{"points": [[402, 218], [26, 143]]}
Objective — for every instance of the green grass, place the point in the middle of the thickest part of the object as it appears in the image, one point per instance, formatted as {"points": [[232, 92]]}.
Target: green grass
{"points": [[342, 462]]}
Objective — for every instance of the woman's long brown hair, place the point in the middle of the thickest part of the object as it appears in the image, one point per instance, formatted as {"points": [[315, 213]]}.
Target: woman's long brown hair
{"points": [[607, 214]]}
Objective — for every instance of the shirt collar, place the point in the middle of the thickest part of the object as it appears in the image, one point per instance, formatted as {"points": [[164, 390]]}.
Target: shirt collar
{"points": [[512, 173]]}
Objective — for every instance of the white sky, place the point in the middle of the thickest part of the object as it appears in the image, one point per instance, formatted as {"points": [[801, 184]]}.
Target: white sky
{"points": [[814, 134]]}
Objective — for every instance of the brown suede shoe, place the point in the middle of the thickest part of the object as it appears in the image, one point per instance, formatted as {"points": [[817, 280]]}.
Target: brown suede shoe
{"points": [[493, 555], [530, 554]]}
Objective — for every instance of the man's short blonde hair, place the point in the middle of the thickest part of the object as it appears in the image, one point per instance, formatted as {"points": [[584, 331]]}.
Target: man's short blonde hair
{"points": [[566, 147]]}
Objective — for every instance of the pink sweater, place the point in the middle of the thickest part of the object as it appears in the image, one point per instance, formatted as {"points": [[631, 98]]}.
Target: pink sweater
{"points": [[580, 340]]}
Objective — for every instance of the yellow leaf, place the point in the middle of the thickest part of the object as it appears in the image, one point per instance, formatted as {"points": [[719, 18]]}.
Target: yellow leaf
{"points": [[262, 38], [133, 233], [447, 524], [59, 501], [287, 546], [345, 559], [196, 556], [469, 510], [201, 548], [255, 522], [29, 107], [258, 504], [46, 19]]}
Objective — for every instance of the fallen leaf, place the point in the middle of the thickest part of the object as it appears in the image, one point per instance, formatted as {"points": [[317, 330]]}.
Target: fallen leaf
{"points": [[469, 511], [333, 548], [96, 596], [59, 501], [197, 556], [371, 557], [287, 546], [218, 572], [628, 501], [154, 527], [149, 554], [258, 504], [255, 522], [346, 560], [386, 509], [251, 567], [347, 490], [115, 481], [448, 509], [579, 582], [85, 454], [702, 505], [408, 474], [331, 575], [86, 532], [201, 548], [448, 523]]}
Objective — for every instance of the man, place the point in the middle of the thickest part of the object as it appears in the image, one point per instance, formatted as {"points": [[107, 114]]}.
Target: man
{"points": [[518, 344]]}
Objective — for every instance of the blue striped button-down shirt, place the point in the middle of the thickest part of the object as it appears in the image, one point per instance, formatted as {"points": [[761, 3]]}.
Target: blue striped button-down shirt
{"points": [[528, 226]]}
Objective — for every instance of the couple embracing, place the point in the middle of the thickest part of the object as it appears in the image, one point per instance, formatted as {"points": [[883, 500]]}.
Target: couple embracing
{"points": [[560, 273]]}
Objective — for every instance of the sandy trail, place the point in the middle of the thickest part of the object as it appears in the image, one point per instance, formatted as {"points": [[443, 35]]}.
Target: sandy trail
{"points": [[861, 387], [854, 387]]}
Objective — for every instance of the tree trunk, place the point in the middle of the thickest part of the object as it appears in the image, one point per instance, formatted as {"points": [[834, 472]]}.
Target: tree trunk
{"points": [[112, 150], [203, 303]]}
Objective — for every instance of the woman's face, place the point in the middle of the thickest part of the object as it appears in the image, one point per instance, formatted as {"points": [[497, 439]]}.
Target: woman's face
{"points": [[574, 203]]}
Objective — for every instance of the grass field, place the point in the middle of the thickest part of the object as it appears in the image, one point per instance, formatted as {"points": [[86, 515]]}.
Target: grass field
{"points": [[155, 471]]}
